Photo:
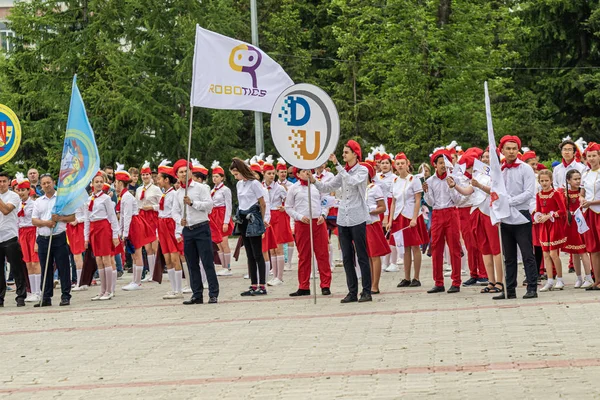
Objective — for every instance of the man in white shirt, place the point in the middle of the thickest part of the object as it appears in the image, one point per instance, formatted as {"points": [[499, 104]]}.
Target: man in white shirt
{"points": [[192, 211], [569, 151], [10, 249], [516, 231], [352, 218], [55, 226]]}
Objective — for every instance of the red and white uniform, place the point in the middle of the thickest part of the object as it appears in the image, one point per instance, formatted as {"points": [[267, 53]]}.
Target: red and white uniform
{"points": [[131, 224], [296, 206], [487, 235], [27, 232], [404, 191], [269, 242], [100, 224], [149, 195], [166, 224], [386, 183], [590, 181], [280, 222], [75, 232], [221, 212], [552, 232], [377, 245], [575, 243]]}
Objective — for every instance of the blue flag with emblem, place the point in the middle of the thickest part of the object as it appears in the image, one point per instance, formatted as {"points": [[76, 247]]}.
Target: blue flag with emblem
{"points": [[80, 159]]}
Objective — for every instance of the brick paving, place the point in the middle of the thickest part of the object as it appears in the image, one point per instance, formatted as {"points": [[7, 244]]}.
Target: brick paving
{"points": [[405, 344]]}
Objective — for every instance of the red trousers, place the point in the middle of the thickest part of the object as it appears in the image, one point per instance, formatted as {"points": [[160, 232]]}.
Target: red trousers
{"points": [[321, 245], [444, 229], [475, 259]]}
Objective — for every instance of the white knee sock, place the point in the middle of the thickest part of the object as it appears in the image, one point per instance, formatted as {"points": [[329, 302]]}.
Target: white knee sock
{"points": [[114, 280], [275, 266], [178, 281], [108, 277], [32, 283], [102, 277], [267, 269], [78, 277], [222, 258], [151, 262], [139, 269], [280, 264], [290, 255], [171, 274], [227, 260], [37, 285]]}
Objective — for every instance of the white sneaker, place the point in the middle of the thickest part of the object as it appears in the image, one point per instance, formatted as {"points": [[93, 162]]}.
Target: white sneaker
{"points": [[97, 297], [447, 268], [107, 296], [447, 274], [400, 261], [33, 298], [560, 285], [275, 282], [392, 268], [148, 278], [132, 286], [128, 286], [224, 272], [547, 287], [578, 284], [586, 284], [187, 290], [246, 276], [172, 295], [463, 272], [80, 288]]}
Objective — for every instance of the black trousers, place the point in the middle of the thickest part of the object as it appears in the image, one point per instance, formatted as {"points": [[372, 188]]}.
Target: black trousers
{"points": [[254, 254], [59, 255], [351, 238], [11, 251], [197, 245], [513, 236]]}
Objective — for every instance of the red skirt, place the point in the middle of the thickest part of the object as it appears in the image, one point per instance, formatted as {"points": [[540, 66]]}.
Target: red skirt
{"points": [[377, 246], [166, 235], [575, 243], [552, 234], [101, 238], [486, 234], [217, 218], [280, 221], [140, 232], [414, 236], [592, 236], [389, 205], [151, 218], [120, 249], [76, 238], [268, 241], [27, 237]]}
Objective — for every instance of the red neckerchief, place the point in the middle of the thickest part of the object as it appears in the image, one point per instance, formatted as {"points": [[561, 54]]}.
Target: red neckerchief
{"points": [[565, 163], [118, 207], [319, 177], [267, 186], [511, 165], [303, 182], [143, 192], [468, 175], [94, 196], [21, 212], [161, 203], [441, 177], [212, 192], [348, 167], [183, 185]]}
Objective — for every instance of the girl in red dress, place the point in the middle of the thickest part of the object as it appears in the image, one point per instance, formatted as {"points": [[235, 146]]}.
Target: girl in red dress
{"points": [[549, 216], [575, 244], [77, 243], [220, 217]]}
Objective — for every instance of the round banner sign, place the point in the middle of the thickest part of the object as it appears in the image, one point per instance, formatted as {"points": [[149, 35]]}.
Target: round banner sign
{"points": [[305, 126], [10, 134]]}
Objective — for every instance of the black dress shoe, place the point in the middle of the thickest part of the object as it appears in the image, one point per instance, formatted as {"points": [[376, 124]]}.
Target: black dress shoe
{"points": [[414, 283], [212, 300], [65, 302], [325, 291], [437, 289], [364, 297], [470, 282], [194, 300], [20, 303], [350, 298], [404, 283], [454, 289], [45, 303], [530, 295], [502, 296], [300, 292]]}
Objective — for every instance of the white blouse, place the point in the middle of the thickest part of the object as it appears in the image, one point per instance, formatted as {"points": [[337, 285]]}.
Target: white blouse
{"points": [[591, 184], [404, 191], [374, 194], [248, 193]]}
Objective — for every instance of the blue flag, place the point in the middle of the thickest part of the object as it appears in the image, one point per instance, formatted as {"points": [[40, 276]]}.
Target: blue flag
{"points": [[80, 159]]}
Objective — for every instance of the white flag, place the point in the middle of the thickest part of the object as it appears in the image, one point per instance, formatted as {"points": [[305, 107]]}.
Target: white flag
{"points": [[481, 167], [399, 239], [582, 226], [498, 195], [459, 170], [232, 75]]}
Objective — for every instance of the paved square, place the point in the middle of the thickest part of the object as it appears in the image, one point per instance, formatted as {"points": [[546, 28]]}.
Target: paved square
{"points": [[406, 344]]}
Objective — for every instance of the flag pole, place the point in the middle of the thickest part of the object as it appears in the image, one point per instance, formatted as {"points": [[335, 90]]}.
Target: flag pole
{"points": [[46, 266], [189, 151], [503, 261], [312, 245]]}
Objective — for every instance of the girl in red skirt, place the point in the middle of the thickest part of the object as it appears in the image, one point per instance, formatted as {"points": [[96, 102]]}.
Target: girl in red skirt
{"points": [[590, 203], [148, 195], [132, 227], [277, 195], [287, 237], [385, 180], [405, 215], [27, 236], [575, 244], [77, 243], [549, 217], [377, 245], [100, 226], [166, 230], [220, 217]]}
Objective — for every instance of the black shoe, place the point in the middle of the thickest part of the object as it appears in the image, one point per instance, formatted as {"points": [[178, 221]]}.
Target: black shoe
{"points": [[64, 302], [20, 303], [530, 295], [404, 283], [544, 277], [469, 282], [260, 292], [350, 298], [525, 282], [571, 270], [593, 288], [194, 300], [454, 289], [212, 300], [45, 303], [301, 292], [119, 274], [414, 283], [437, 289], [502, 296], [483, 281], [325, 291], [364, 297], [249, 292]]}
